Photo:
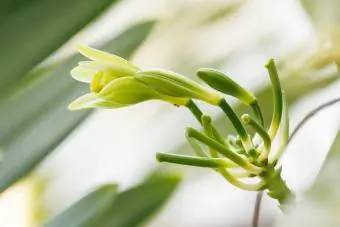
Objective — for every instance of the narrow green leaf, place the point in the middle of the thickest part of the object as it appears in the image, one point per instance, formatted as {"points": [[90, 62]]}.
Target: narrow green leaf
{"points": [[34, 122], [32, 30], [86, 210], [135, 206]]}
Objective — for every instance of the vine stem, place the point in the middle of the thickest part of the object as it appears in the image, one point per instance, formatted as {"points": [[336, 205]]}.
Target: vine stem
{"points": [[311, 114], [257, 207]]}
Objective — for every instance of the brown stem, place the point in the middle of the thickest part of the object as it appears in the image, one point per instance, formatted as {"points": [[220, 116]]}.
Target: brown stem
{"points": [[257, 209]]}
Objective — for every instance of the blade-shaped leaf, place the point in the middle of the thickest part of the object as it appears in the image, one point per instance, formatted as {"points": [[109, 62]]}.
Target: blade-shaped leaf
{"points": [[135, 206], [86, 210], [31, 31], [34, 122]]}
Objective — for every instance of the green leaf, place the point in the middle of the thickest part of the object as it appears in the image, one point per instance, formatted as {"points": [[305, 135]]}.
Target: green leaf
{"points": [[86, 210], [33, 30], [135, 206], [34, 122]]}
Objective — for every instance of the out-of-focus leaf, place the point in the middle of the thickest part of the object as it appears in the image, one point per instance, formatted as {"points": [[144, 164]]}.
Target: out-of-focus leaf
{"points": [[326, 19], [320, 205], [34, 122], [103, 208], [223, 12], [326, 11], [135, 206], [86, 210], [32, 30]]}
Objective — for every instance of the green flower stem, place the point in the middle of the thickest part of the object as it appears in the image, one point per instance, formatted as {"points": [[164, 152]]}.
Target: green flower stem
{"points": [[284, 128], [224, 151], [196, 147], [206, 121], [234, 142], [222, 83], [199, 152], [263, 134], [257, 111], [242, 174], [248, 187], [278, 102], [192, 161], [191, 105], [195, 110], [277, 187], [241, 131]]}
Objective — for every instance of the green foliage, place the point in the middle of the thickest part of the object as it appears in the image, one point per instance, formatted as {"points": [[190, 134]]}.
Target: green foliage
{"points": [[34, 120], [87, 209], [103, 208], [31, 32]]}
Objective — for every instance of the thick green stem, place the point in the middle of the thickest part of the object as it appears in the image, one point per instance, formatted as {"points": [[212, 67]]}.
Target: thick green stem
{"points": [[276, 186]]}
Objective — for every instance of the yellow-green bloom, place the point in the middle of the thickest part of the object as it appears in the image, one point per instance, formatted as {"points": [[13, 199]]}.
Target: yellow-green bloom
{"points": [[112, 82], [176, 85], [115, 82]]}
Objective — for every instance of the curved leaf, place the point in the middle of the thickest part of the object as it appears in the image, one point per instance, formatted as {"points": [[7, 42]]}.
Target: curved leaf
{"points": [[134, 206], [31, 31], [87, 209], [34, 122]]}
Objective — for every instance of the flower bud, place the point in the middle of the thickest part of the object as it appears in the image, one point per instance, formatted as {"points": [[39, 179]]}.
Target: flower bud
{"points": [[104, 68], [226, 85], [175, 85], [127, 91]]}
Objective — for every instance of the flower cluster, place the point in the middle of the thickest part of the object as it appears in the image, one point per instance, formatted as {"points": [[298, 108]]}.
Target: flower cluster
{"points": [[246, 161]]}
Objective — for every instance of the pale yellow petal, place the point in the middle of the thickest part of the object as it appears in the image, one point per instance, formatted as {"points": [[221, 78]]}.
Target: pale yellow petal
{"points": [[112, 68], [90, 100], [101, 56], [83, 74]]}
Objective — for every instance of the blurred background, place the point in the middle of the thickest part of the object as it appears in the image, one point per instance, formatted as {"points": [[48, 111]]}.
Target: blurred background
{"points": [[51, 157]]}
